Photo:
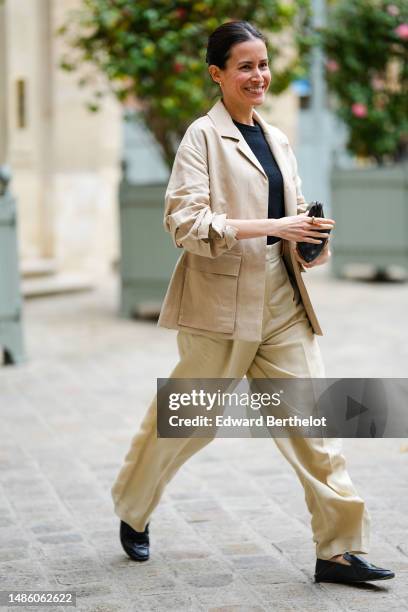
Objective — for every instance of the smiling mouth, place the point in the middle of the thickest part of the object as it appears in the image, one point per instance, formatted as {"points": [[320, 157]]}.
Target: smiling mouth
{"points": [[255, 89]]}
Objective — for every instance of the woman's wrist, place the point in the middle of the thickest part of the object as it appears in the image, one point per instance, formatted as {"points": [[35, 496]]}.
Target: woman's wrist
{"points": [[274, 226], [255, 228]]}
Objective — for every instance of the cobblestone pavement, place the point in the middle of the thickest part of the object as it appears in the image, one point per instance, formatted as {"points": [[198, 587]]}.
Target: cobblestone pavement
{"points": [[232, 532]]}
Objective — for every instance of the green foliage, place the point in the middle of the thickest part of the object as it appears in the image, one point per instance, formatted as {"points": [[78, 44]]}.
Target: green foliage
{"points": [[366, 45], [154, 51]]}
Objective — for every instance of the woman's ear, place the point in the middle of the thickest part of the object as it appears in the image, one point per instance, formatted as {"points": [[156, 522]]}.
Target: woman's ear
{"points": [[214, 73]]}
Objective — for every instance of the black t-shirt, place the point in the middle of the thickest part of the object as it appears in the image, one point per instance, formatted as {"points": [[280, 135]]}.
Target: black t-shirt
{"points": [[256, 140]]}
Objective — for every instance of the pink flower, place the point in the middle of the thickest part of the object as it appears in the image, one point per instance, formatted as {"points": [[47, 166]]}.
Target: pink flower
{"points": [[377, 84], [332, 65], [402, 31], [359, 110], [392, 9]]}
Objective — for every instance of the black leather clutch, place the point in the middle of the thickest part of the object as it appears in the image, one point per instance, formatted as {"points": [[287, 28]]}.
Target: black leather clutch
{"points": [[307, 250]]}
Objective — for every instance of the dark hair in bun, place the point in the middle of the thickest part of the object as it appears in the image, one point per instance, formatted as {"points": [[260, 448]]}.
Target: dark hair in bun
{"points": [[226, 36]]}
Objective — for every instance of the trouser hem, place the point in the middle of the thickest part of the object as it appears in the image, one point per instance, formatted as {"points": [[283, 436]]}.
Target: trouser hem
{"points": [[126, 517], [354, 546]]}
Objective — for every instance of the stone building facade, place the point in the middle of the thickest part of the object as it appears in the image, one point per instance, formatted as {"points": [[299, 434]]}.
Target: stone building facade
{"points": [[64, 159]]}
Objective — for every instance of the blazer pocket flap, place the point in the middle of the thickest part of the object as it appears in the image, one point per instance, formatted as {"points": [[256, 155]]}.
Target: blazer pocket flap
{"points": [[227, 264]]}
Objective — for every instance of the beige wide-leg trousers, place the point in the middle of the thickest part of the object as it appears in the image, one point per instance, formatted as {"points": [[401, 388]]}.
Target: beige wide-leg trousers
{"points": [[289, 348]]}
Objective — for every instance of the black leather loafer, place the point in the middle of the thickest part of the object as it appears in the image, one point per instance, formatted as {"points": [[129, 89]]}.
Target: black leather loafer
{"points": [[135, 543], [359, 570]]}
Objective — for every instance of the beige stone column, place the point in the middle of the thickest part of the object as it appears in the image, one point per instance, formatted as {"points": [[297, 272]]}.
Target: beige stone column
{"points": [[65, 160]]}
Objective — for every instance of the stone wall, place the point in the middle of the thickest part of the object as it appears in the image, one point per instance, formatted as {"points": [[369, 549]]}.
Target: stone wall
{"points": [[65, 160]]}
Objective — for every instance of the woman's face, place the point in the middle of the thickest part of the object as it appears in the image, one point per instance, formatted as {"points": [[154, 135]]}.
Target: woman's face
{"points": [[246, 77]]}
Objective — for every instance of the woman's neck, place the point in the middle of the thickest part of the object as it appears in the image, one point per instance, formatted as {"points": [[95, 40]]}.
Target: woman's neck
{"points": [[239, 114]]}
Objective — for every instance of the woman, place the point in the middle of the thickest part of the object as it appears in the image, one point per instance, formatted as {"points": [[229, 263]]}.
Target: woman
{"points": [[234, 204]]}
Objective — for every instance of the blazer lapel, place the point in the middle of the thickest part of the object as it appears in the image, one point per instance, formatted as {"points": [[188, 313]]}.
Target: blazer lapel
{"points": [[226, 127], [246, 150]]}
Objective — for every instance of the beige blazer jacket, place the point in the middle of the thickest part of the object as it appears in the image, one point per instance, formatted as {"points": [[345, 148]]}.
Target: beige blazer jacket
{"points": [[218, 283]]}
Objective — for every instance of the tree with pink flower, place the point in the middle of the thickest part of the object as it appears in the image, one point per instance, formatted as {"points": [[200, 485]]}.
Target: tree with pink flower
{"points": [[366, 48]]}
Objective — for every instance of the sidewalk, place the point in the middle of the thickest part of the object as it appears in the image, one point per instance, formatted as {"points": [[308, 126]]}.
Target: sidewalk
{"points": [[232, 532]]}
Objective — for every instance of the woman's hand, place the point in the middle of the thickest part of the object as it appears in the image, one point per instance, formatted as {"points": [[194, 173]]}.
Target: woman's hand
{"points": [[298, 228], [302, 228]]}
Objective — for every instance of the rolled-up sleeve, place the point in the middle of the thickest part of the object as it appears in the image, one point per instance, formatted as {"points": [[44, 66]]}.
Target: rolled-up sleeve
{"points": [[188, 216]]}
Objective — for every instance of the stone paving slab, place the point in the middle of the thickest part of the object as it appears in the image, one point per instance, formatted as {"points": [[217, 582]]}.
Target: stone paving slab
{"points": [[232, 532]]}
